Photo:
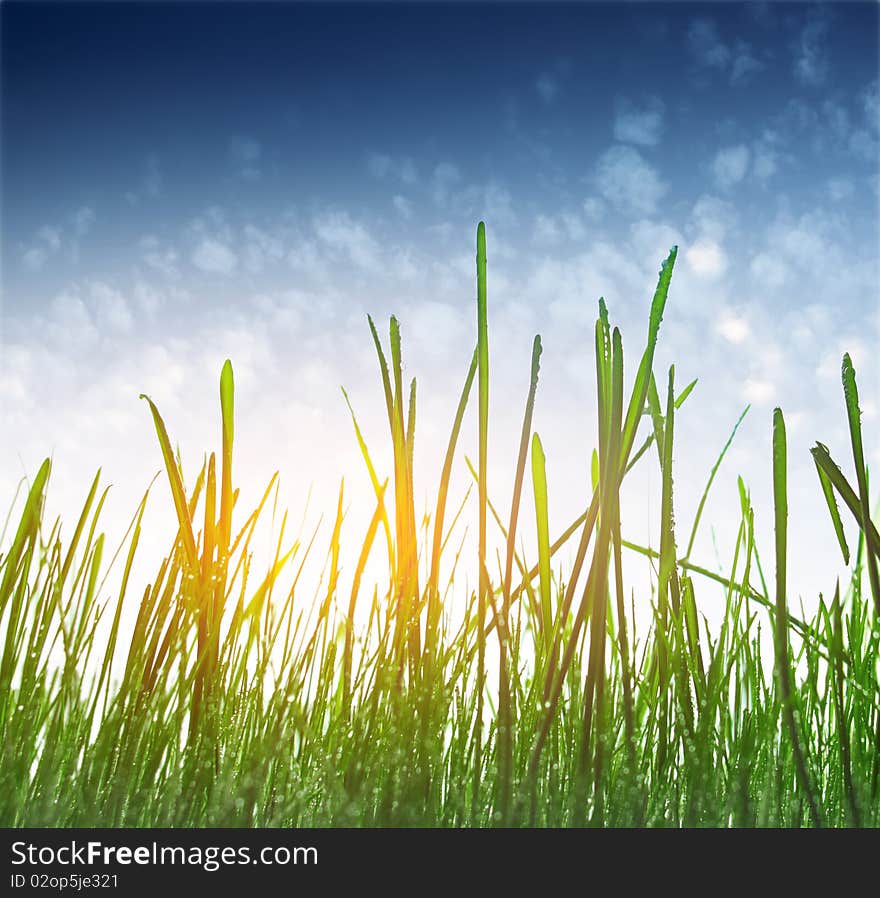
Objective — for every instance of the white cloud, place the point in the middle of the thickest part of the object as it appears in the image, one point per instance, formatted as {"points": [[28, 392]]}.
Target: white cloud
{"points": [[50, 236], [840, 188], [401, 168], [639, 123], [305, 257], [573, 225], [111, 310], [758, 391], [403, 265], [340, 232], [848, 125], [47, 243], [245, 149], [445, 175], [801, 241], [811, 53], [153, 179], [35, 258], [378, 165], [706, 45], [706, 259], [547, 87], [569, 289], [554, 229], [70, 322], [765, 165], [652, 240], [83, 219], [214, 257], [730, 165], [402, 205], [150, 184], [734, 328], [549, 83], [490, 201], [738, 61], [215, 217], [828, 368], [593, 208], [863, 144], [435, 329], [260, 248], [766, 155], [871, 104], [627, 181], [768, 270], [862, 140], [713, 217], [745, 64], [246, 154], [798, 115], [163, 259], [213, 238], [148, 299], [546, 230], [50, 240], [837, 117]]}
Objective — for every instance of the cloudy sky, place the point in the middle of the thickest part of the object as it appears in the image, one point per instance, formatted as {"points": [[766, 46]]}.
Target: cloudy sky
{"points": [[183, 183]]}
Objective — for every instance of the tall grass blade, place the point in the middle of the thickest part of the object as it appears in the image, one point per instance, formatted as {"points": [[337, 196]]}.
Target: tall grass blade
{"points": [[783, 665]]}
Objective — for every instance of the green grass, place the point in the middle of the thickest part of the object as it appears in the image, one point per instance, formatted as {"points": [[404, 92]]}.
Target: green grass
{"points": [[223, 694]]}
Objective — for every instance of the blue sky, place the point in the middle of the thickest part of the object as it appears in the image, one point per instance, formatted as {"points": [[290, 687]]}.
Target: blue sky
{"points": [[183, 183]]}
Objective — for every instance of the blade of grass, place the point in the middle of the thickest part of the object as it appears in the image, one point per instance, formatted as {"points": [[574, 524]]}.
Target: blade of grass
{"points": [[783, 665], [854, 416], [483, 411]]}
